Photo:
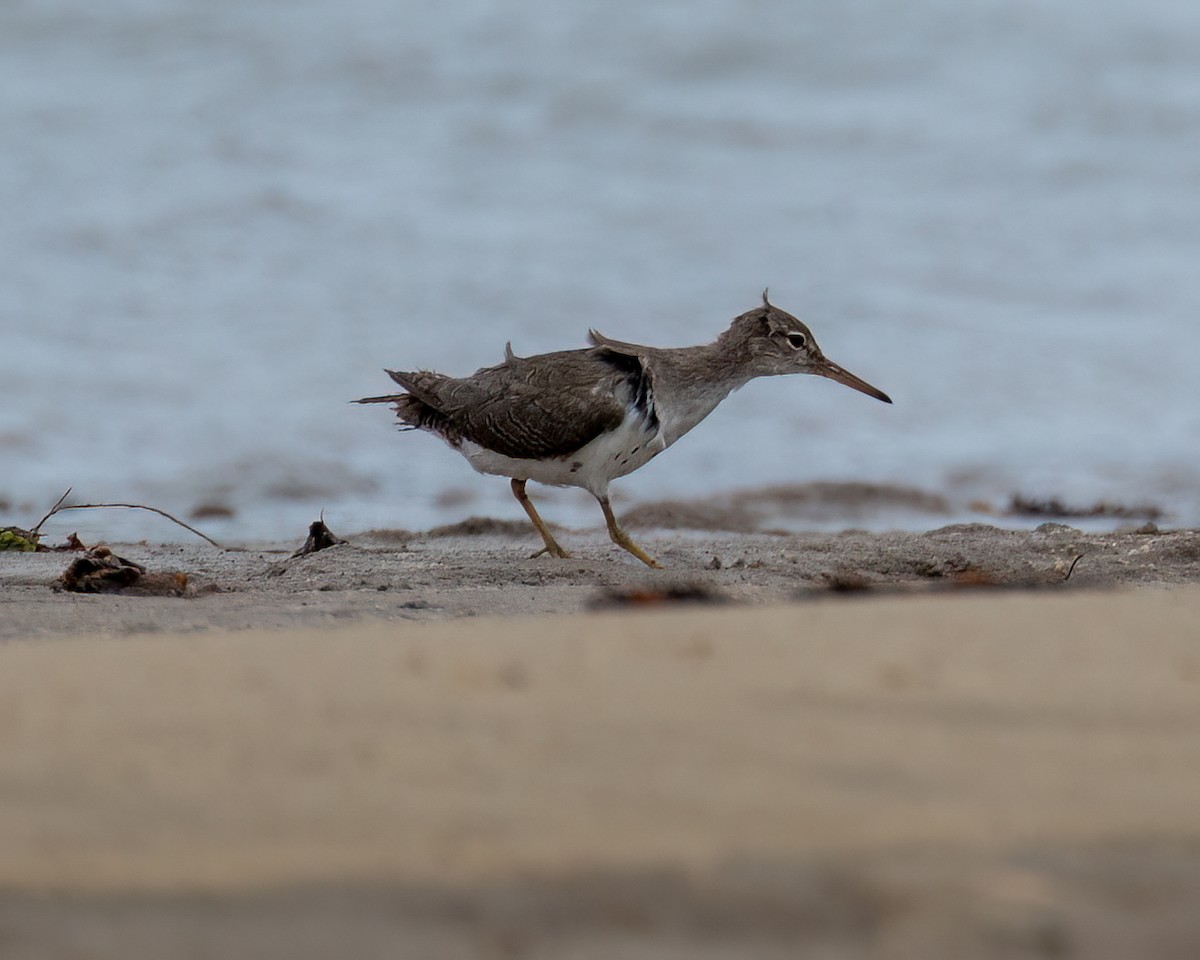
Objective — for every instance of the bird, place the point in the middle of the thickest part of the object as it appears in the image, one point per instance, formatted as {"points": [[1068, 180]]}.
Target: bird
{"points": [[584, 417]]}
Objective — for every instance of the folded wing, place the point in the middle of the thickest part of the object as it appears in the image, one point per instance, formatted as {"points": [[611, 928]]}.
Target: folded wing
{"points": [[526, 408]]}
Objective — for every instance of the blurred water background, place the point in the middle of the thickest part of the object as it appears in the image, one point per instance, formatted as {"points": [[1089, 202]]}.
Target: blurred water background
{"points": [[222, 218]]}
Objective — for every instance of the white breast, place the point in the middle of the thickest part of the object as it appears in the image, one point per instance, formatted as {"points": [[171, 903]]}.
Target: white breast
{"points": [[593, 467]]}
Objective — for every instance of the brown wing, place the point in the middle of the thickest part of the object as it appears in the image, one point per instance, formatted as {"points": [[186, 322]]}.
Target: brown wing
{"points": [[532, 407]]}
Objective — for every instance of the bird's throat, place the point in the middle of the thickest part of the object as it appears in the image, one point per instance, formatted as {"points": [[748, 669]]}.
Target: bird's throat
{"points": [[688, 386]]}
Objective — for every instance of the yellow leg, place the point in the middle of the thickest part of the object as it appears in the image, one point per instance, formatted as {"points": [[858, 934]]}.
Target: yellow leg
{"points": [[621, 538], [551, 545]]}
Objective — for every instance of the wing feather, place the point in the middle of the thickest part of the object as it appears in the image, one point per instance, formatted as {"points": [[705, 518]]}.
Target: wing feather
{"points": [[538, 407]]}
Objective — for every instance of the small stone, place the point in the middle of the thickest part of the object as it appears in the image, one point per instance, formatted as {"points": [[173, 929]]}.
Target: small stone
{"points": [[1055, 528]]}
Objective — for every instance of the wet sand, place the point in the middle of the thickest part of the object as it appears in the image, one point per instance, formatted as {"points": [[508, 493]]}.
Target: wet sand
{"points": [[285, 765]]}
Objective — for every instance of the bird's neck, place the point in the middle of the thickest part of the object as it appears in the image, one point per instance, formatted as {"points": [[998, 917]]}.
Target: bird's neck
{"points": [[689, 383]]}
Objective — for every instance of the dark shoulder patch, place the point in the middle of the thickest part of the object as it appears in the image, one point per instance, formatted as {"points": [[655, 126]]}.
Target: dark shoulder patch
{"points": [[641, 385]]}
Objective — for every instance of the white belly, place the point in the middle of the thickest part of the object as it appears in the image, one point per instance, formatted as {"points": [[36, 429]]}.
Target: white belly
{"points": [[592, 467]]}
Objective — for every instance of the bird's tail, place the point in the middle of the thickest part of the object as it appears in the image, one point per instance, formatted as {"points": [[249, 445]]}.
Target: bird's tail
{"points": [[403, 378], [412, 409], [390, 398], [411, 412]]}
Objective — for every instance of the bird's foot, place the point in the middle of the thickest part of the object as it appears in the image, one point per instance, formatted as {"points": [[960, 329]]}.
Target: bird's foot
{"points": [[554, 551], [621, 538], [642, 555], [625, 542]]}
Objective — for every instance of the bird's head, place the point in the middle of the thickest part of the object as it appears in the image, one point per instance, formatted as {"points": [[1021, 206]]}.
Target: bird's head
{"points": [[771, 342]]}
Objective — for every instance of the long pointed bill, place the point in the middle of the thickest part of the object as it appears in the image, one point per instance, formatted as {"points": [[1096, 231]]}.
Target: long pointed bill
{"points": [[831, 370]]}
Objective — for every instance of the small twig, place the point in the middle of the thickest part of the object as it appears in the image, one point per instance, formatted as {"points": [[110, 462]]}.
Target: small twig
{"points": [[53, 510], [58, 508], [1071, 568]]}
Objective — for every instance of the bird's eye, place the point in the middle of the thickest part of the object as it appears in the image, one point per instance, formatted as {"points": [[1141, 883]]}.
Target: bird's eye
{"points": [[798, 340]]}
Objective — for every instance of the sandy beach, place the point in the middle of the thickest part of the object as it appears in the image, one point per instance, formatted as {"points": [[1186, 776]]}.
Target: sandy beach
{"points": [[481, 567], [917, 680], [885, 745]]}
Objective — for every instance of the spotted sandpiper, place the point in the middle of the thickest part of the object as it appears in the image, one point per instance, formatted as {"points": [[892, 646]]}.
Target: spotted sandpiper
{"points": [[582, 418]]}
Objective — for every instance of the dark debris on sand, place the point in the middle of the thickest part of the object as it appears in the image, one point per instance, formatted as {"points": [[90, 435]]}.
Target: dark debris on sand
{"points": [[641, 597], [320, 537], [99, 570], [1020, 506]]}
